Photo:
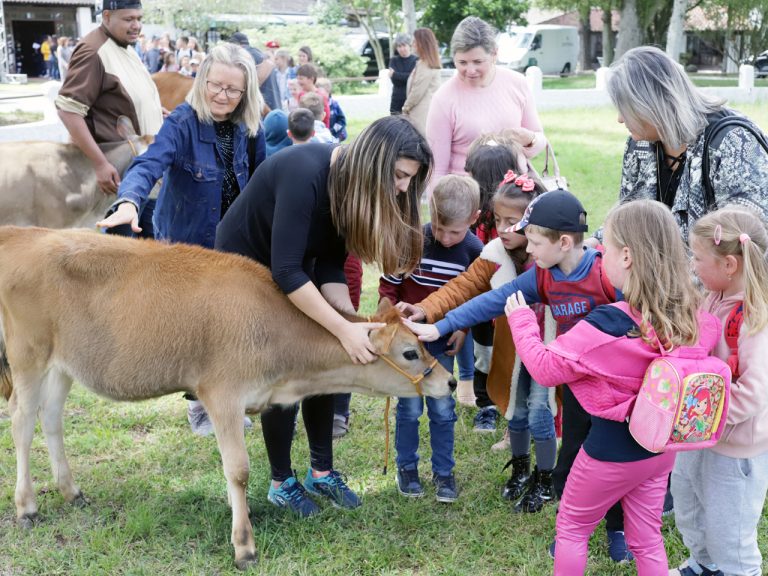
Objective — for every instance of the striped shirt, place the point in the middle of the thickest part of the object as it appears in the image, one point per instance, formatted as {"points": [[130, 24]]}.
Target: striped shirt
{"points": [[438, 266]]}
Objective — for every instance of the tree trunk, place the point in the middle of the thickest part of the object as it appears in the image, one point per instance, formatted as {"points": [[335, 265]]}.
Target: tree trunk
{"points": [[676, 31], [607, 34], [630, 34], [409, 12], [585, 32]]}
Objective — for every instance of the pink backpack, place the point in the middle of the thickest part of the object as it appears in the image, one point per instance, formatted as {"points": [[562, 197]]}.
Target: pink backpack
{"points": [[683, 401]]}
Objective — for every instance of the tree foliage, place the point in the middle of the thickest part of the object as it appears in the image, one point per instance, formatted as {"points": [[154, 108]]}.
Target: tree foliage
{"points": [[195, 16], [335, 57], [444, 15]]}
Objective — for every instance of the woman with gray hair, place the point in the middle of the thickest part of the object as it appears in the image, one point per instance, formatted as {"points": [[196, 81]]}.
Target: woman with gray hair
{"points": [[400, 68], [205, 152], [668, 119], [480, 99]]}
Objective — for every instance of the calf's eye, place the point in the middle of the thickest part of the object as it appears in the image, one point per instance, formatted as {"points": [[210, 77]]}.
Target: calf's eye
{"points": [[411, 355]]}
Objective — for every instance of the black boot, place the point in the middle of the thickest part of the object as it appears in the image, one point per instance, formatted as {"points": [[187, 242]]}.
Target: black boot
{"points": [[521, 475], [540, 491]]}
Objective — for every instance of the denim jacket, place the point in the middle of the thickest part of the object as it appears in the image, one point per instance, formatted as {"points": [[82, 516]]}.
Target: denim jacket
{"points": [[184, 153]]}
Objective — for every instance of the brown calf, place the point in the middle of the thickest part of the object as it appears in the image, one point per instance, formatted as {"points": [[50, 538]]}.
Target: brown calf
{"points": [[73, 302], [172, 87]]}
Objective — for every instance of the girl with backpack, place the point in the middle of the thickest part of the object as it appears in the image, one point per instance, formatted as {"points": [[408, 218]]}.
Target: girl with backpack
{"points": [[730, 479], [603, 360]]}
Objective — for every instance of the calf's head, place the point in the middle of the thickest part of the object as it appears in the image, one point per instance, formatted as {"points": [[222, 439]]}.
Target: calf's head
{"points": [[411, 369]]}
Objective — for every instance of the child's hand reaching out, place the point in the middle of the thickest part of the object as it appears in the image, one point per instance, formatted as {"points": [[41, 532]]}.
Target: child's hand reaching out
{"points": [[425, 332], [514, 302]]}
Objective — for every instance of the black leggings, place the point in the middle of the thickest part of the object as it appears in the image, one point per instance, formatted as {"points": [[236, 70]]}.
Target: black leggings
{"points": [[277, 424]]}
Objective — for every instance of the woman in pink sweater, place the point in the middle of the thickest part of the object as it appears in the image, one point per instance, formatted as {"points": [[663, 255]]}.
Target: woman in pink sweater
{"points": [[603, 360], [480, 99]]}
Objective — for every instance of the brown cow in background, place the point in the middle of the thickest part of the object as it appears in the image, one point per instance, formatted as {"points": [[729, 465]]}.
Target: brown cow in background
{"points": [[173, 88]]}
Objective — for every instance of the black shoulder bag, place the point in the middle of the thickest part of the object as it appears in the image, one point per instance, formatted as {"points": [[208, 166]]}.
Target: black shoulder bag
{"points": [[710, 133]]}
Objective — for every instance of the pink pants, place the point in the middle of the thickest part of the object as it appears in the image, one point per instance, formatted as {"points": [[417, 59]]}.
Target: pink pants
{"points": [[592, 488]]}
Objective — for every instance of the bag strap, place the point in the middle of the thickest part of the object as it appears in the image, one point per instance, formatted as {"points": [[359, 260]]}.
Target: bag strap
{"points": [[732, 329], [711, 131], [549, 152]]}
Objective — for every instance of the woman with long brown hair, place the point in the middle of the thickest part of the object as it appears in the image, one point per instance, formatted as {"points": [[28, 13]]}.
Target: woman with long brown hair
{"points": [[424, 80], [301, 213]]}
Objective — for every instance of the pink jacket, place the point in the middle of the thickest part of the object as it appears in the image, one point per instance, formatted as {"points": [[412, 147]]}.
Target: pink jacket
{"points": [[603, 372], [746, 429]]}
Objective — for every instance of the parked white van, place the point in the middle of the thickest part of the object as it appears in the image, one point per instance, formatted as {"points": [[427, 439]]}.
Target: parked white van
{"points": [[554, 49]]}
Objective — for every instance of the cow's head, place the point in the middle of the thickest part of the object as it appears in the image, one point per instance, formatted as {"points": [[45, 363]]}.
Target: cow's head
{"points": [[414, 371]]}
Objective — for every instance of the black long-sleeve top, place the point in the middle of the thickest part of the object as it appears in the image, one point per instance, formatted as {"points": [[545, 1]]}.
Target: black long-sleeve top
{"points": [[402, 70], [282, 219]]}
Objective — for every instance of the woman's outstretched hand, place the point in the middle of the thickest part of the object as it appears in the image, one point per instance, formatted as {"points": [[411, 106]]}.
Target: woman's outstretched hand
{"points": [[354, 337], [411, 311], [126, 213], [515, 302]]}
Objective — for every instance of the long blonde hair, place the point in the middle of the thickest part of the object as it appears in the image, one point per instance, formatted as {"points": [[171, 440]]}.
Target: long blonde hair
{"points": [[379, 224], [248, 111], [658, 284], [729, 224]]}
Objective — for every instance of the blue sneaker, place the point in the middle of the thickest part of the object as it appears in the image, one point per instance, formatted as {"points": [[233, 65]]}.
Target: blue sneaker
{"points": [[485, 419], [551, 550], [445, 488], [291, 495], [617, 547], [408, 483], [332, 487]]}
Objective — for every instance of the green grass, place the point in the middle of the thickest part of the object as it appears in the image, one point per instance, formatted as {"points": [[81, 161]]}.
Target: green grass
{"points": [[19, 117], [158, 496], [575, 81]]}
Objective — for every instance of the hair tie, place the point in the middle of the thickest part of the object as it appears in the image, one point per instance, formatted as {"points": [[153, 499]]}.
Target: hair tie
{"points": [[509, 178], [718, 235], [525, 182], [744, 238]]}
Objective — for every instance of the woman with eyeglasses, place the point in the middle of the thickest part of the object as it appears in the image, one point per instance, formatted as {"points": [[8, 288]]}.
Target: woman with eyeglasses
{"points": [[205, 152]]}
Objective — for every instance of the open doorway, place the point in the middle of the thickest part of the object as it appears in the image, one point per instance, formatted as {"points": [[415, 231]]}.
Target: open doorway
{"points": [[25, 34]]}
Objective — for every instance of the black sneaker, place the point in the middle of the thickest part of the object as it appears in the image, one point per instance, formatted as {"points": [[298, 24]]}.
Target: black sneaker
{"points": [[686, 570], [540, 491], [445, 488], [408, 483]]}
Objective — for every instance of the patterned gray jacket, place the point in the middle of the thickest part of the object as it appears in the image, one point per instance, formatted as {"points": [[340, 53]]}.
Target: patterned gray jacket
{"points": [[738, 171]]}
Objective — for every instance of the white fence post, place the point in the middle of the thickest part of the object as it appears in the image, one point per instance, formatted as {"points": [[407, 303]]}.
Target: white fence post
{"points": [[535, 77], [746, 77]]}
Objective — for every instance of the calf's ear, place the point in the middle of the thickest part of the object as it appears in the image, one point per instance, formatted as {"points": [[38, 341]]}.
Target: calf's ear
{"points": [[384, 306], [382, 338]]}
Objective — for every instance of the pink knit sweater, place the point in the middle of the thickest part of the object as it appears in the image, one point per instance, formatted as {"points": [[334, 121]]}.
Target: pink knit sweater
{"points": [[459, 113], [603, 372]]}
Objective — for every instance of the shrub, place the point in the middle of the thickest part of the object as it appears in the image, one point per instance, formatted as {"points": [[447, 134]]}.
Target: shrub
{"points": [[331, 52]]}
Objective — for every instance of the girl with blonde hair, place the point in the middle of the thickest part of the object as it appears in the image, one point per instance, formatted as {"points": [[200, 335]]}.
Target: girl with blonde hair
{"points": [[603, 360], [730, 479]]}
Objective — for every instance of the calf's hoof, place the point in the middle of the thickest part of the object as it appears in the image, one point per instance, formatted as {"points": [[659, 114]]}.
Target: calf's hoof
{"points": [[80, 501], [27, 521], [247, 562]]}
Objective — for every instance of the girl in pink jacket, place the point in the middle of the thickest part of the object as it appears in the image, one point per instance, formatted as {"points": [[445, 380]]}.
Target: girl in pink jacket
{"points": [[730, 480], [603, 360]]}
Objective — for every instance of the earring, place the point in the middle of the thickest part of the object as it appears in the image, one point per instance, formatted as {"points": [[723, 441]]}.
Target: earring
{"points": [[730, 278]]}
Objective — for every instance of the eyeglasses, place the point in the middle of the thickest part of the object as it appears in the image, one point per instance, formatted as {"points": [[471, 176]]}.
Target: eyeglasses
{"points": [[231, 93]]}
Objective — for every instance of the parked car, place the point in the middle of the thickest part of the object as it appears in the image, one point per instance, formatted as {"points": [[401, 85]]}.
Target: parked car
{"points": [[554, 49], [761, 65], [363, 47]]}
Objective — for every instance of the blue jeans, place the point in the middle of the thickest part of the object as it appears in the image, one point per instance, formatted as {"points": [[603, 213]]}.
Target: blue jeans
{"points": [[466, 359], [442, 416], [532, 408]]}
